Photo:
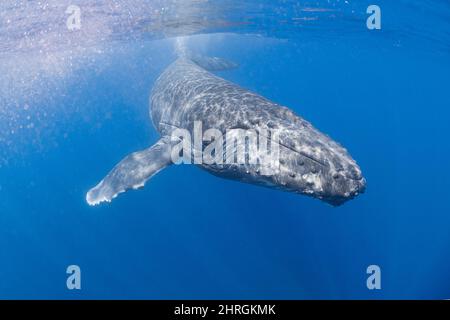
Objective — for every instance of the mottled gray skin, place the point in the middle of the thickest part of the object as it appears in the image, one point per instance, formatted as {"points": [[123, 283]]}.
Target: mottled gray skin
{"points": [[311, 163]]}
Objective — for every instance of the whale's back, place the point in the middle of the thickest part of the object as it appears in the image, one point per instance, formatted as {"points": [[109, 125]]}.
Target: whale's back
{"points": [[185, 93]]}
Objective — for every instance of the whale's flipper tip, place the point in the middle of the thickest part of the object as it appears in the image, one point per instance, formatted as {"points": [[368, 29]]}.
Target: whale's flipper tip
{"points": [[101, 193]]}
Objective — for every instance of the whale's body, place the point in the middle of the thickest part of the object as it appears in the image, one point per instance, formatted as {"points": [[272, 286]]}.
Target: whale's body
{"points": [[310, 162]]}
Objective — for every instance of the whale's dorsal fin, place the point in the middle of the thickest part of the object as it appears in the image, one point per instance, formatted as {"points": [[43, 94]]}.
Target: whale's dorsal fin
{"points": [[132, 172], [212, 63]]}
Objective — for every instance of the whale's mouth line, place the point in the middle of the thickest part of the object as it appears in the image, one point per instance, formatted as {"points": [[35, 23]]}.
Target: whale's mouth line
{"points": [[301, 153], [306, 155]]}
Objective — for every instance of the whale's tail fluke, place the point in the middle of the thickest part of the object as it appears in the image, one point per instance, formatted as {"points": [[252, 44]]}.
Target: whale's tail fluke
{"points": [[181, 49], [208, 63]]}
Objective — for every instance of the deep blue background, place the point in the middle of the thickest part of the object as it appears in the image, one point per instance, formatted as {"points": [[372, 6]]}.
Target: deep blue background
{"points": [[191, 235]]}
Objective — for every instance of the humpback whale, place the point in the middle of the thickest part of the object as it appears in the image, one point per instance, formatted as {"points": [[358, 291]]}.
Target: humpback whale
{"points": [[310, 162]]}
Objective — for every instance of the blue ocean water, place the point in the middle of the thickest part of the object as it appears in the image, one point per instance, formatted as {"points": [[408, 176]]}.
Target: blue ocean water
{"points": [[73, 104]]}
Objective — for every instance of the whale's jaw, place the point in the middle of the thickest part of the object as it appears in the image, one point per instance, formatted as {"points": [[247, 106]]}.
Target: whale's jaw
{"points": [[334, 188], [357, 187], [313, 164]]}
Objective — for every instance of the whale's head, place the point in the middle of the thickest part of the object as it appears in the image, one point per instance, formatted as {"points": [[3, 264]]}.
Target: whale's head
{"points": [[311, 163]]}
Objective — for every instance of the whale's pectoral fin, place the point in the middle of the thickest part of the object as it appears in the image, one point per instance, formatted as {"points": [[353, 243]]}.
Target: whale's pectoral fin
{"points": [[132, 172], [213, 63]]}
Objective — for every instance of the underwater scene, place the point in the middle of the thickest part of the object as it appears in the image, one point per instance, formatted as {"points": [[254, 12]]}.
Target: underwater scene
{"points": [[133, 161]]}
